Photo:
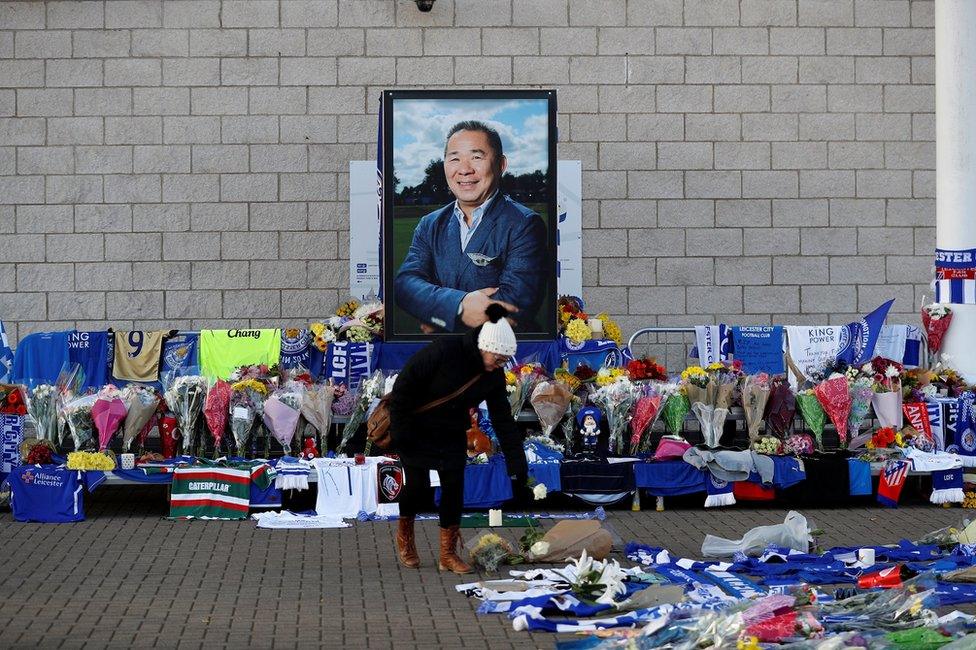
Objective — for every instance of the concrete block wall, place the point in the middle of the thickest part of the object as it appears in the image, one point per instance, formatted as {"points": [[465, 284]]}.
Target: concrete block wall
{"points": [[184, 162]]}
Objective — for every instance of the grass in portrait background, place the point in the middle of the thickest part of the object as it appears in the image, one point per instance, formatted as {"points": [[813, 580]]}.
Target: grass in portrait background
{"points": [[420, 128]]}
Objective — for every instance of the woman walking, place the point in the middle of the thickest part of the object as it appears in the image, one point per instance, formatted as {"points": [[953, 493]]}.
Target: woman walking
{"points": [[469, 369]]}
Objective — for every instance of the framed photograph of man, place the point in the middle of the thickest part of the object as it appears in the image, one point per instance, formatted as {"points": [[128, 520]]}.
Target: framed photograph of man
{"points": [[469, 210]]}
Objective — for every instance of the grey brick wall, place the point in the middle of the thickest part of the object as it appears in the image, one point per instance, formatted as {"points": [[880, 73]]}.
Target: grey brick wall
{"points": [[184, 162]]}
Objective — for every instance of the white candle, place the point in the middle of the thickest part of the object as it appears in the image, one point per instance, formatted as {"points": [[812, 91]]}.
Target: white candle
{"points": [[494, 517]]}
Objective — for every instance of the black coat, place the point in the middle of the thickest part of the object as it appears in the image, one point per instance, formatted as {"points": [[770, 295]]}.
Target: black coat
{"points": [[438, 437]]}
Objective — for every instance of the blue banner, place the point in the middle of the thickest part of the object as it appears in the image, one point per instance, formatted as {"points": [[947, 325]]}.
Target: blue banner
{"points": [[348, 363], [760, 348], [594, 354], [858, 339]]}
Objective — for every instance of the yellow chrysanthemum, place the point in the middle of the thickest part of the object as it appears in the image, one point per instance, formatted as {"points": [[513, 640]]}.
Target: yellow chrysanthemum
{"points": [[252, 384], [510, 378], [610, 329], [693, 371], [347, 308], [317, 328], [578, 331], [718, 365]]}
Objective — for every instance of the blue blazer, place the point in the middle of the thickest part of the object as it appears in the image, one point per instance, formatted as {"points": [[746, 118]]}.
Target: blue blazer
{"points": [[507, 250]]}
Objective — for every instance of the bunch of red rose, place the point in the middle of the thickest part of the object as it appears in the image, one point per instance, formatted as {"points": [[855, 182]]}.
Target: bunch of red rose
{"points": [[12, 400], [39, 455], [646, 368], [883, 437]]}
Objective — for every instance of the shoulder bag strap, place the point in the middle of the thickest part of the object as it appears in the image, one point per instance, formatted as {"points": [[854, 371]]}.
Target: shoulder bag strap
{"points": [[442, 400]]}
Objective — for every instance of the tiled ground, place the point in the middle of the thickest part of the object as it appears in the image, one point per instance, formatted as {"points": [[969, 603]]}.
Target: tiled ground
{"points": [[127, 577]]}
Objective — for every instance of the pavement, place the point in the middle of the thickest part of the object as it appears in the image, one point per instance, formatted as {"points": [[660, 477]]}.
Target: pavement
{"points": [[127, 577]]}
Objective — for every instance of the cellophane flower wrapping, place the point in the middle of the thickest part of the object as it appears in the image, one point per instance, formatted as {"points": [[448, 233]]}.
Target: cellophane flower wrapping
{"points": [[281, 413], [77, 415], [862, 392], [370, 390], [550, 400], [569, 423], [42, 406], [646, 411], [755, 395], [108, 412], [527, 375], [835, 398], [888, 408], [675, 410], [184, 396], [936, 319], [141, 403], [780, 408], [813, 414], [615, 400], [246, 403], [216, 411], [317, 408]]}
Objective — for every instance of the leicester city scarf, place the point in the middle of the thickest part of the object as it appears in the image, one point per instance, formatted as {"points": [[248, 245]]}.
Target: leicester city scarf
{"points": [[719, 492], [947, 486], [966, 424]]}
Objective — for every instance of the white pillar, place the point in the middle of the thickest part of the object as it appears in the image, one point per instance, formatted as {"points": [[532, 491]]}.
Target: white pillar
{"points": [[955, 136]]}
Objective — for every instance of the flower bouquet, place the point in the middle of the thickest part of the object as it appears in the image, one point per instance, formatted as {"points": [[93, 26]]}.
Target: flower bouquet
{"points": [[593, 581], [216, 411], [798, 444], [246, 401], [676, 409], [813, 414], [42, 406], [646, 369], [550, 400], [755, 395], [12, 400], [835, 398], [317, 409], [886, 399], [281, 413], [369, 390], [184, 396], [936, 319], [527, 376], [569, 423], [646, 411], [861, 394], [768, 445], [490, 551], [781, 408], [344, 402], [77, 415], [141, 403], [615, 400], [108, 411]]}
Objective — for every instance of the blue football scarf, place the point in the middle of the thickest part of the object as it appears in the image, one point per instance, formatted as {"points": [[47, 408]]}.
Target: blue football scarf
{"points": [[947, 486], [966, 424], [719, 492]]}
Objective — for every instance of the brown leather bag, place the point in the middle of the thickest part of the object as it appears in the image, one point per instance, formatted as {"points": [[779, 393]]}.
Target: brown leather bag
{"points": [[378, 424]]}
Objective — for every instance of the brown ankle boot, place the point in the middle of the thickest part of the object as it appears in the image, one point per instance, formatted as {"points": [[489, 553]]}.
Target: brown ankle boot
{"points": [[406, 546], [449, 560]]}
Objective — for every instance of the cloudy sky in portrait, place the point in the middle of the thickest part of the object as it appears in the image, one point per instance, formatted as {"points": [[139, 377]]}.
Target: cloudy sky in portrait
{"points": [[420, 128]]}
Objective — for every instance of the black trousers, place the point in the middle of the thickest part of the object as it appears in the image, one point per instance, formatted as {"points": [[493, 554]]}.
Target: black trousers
{"points": [[418, 496]]}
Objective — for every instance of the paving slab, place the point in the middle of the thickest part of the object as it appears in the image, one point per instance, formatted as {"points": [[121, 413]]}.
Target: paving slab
{"points": [[128, 578]]}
